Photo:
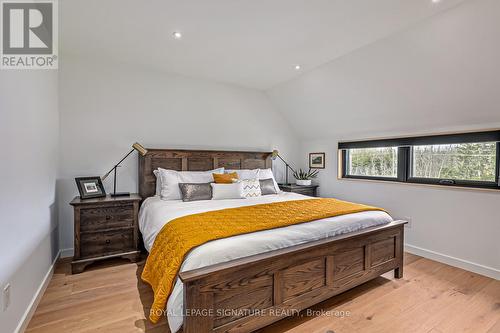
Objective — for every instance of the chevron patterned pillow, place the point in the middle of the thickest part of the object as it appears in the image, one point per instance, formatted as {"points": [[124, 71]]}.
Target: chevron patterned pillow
{"points": [[251, 187]]}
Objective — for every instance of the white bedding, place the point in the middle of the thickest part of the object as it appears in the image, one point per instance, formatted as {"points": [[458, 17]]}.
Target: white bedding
{"points": [[155, 213]]}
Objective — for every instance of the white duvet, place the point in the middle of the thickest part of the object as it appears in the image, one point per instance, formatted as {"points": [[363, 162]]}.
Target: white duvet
{"points": [[155, 213]]}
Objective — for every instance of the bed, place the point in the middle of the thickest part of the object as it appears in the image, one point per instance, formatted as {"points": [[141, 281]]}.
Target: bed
{"points": [[245, 282]]}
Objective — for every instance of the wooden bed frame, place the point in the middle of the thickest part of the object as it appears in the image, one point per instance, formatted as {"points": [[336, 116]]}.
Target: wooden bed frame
{"points": [[249, 293]]}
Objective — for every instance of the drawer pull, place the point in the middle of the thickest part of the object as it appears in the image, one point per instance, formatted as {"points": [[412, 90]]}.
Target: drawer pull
{"points": [[108, 241], [108, 217]]}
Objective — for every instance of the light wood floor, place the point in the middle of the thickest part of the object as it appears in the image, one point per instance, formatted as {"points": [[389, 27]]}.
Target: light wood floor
{"points": [[432, 297]]}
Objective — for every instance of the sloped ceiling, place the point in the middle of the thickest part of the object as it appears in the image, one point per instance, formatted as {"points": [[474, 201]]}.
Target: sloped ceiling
{"points": [[441, 74], [253, 43]]}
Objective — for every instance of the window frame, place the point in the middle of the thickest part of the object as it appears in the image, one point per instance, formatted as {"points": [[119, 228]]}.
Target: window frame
{"points": [[405, 158], [346, 166]]}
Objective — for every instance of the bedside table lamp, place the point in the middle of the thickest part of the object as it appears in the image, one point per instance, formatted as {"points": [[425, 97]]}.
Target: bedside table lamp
{"points": [[276, 155], [136, 146]]}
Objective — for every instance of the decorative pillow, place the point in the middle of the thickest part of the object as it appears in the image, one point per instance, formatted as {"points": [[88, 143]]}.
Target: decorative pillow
{"points": [[268, 174], [245, 173], [251, 187], [225, 178], [227, 191], [267, 186], [170, 180], [195, 191]]}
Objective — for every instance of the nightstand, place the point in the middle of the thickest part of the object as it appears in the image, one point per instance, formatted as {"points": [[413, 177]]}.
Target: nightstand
{"points": [[105, 228], [310, 190]]}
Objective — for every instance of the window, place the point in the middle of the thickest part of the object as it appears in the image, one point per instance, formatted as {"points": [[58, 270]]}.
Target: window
{"points": [[468, 159], [373, 162]]}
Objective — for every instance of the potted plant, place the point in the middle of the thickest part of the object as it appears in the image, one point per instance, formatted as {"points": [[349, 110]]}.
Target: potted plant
{"points": [[304, 177]]}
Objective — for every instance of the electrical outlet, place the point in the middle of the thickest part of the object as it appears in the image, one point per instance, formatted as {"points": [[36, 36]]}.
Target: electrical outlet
{"points": [[6, 297]]}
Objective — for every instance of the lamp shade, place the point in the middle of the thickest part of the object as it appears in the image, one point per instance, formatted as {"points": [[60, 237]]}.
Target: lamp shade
{"points": [[274, 155], [137, 146]]}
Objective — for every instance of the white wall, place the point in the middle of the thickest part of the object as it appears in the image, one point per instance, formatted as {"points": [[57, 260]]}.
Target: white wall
{"points": [[29, 132], [105, 107], [440, 75]]}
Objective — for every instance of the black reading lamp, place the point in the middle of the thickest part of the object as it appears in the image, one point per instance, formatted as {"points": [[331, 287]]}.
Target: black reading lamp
{"points": [[136, 146], [276, 155]]}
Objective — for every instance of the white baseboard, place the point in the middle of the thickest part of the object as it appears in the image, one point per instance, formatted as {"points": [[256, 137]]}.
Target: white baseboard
{"points": [[25, 319], [66, 253], [452, 261], [449, 260]]}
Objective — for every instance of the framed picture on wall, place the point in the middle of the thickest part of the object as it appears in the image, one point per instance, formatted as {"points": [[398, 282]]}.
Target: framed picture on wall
{"points": [[317, 160], [90, 187]]}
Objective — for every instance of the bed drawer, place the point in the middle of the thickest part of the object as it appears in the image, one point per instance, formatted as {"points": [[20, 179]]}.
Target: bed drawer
{"points": [[106, 243], [94, 219]]}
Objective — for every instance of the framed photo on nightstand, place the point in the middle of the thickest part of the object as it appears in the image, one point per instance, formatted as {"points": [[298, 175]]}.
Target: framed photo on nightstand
{"points": [[90, 187]]}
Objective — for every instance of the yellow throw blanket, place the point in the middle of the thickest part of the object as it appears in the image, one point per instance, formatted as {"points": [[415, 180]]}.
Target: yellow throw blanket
{"points": [[181, 235]]}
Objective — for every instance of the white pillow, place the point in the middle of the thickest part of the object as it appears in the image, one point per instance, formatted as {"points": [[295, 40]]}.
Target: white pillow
{"points": [[245, 173], [251, 187], [158, 182], [170, 180], [266, 174], [227, 191]]}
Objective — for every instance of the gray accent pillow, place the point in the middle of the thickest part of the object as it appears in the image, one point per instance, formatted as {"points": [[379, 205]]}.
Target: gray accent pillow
{"points": [[195, 191], [267, 186]]}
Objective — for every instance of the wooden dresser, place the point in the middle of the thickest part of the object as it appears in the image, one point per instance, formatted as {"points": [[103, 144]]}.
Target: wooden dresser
{"points": [[105, 228], [310, 190]]}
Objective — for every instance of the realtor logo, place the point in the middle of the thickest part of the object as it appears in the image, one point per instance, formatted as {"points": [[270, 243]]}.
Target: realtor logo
{"points": [[29, 34]]}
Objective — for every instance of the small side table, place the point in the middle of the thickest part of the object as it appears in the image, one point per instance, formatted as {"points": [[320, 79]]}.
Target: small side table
{"points": [[105, 228], [310, 190]]}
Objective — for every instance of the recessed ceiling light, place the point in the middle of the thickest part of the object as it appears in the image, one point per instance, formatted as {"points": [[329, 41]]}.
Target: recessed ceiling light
{"points": [[436, 1], [177, 35], [297, 67]]}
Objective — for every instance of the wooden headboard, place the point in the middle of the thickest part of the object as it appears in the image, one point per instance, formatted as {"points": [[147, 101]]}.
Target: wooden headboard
{"points": [[195, 160]]}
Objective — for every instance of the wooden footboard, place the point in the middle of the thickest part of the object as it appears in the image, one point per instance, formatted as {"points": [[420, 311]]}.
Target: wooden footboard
{"points": [[249, 293]]}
